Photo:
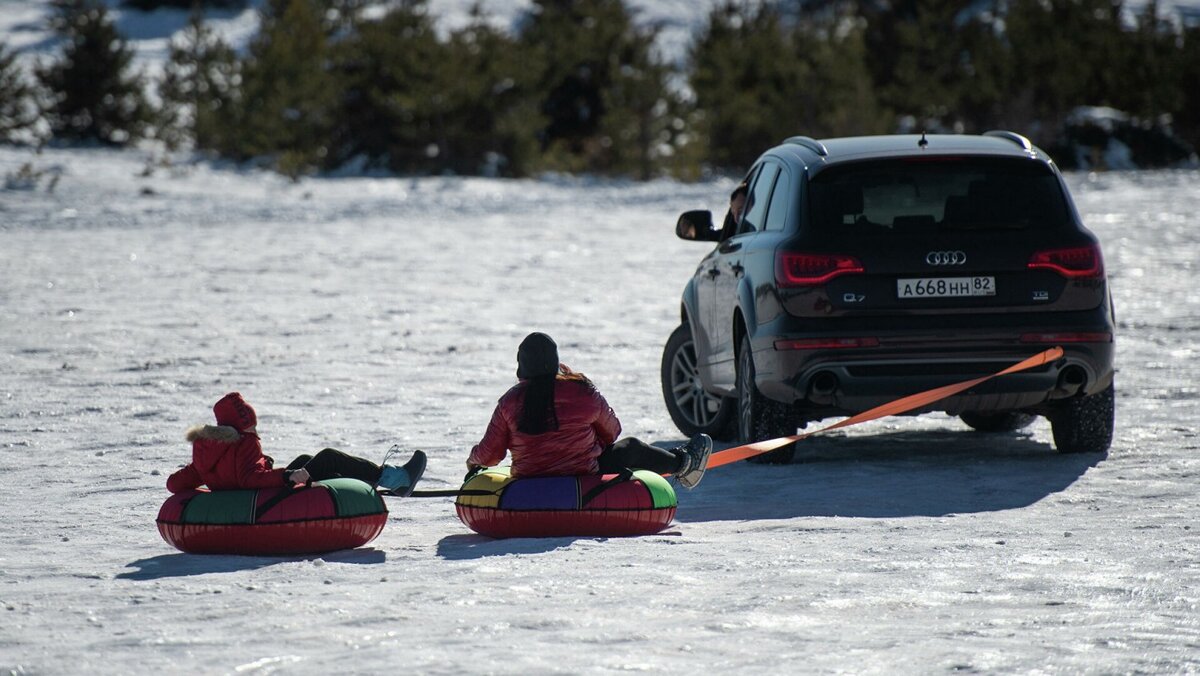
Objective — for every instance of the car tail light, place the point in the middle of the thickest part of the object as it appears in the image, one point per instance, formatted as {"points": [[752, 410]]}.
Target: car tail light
{"points": [[1097, 337], [825, 343], [1074, 263], [805, 269]]}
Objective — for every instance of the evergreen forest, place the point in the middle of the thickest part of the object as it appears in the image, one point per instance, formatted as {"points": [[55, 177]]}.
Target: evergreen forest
{"points": [[578, 86]]}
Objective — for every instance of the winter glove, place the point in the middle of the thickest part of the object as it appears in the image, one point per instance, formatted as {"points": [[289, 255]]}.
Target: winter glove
{"points": [[472, 470], [297, 476]]}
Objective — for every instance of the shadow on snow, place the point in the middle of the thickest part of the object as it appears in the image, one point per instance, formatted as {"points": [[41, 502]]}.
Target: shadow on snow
{"points": [[185, 565], [463, 546], [898, 474]]}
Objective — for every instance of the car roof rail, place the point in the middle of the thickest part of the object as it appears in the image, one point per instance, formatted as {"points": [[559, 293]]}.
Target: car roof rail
{"points": [[1011, 136], [810, 143]]}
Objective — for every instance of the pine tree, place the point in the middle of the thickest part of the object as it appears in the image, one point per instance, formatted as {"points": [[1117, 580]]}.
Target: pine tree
{"points": [[987, 66], [16, 97], [491, 119], [288, 95], [640, 112], [1152, 89], [392, 95], [151, 5], [835, 95], [198, 89], [1187, 116], [748, 103], [917, 60], [1052, 75], [815, 81], [1146, 81], [94, 98], [603, 91]]}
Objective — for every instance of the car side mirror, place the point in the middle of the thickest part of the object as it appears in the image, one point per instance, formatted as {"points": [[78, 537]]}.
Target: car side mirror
{"points": [[696, 226]]}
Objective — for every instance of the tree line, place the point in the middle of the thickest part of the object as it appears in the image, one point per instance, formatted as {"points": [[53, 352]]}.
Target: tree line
{"points": [[578, 86]]}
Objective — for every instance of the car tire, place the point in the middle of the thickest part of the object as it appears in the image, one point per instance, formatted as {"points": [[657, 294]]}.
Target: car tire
{"points": [[693, 410], [760, 418], [1085, 424], [1002, 421]]}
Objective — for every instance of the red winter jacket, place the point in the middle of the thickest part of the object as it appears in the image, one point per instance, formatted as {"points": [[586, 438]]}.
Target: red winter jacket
{"points": [[586, 426], [225, 459]]}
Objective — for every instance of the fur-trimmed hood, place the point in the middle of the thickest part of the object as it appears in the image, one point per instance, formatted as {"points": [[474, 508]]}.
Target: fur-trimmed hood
{"points": [[225, 459], [222, 433]]}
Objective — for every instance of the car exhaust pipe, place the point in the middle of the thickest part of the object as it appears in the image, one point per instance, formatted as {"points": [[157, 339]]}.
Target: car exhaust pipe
{"points": [[1070, 381], [822, 387]]}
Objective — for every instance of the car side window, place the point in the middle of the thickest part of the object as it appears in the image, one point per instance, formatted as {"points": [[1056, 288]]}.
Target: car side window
{"points": [[730, 227], [777, 214], [756, 207]]}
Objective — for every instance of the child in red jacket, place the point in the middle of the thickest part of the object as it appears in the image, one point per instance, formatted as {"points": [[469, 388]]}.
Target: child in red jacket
{"points": [[229, 456], [556, 423]]}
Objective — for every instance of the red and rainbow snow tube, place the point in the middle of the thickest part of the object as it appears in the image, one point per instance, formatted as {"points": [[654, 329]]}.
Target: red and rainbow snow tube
{"points": [[325, 516], [635, 503]]}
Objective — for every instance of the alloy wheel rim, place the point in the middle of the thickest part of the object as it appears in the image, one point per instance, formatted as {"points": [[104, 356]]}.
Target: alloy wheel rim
{"points": [[698, 406]]}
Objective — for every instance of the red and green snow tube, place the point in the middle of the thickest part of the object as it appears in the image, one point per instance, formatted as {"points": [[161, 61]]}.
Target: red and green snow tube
{"points": [[495, 504], [323, 517]]}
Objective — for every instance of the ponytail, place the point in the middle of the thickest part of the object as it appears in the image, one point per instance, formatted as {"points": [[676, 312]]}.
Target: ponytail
{"points": [[537, 411]]}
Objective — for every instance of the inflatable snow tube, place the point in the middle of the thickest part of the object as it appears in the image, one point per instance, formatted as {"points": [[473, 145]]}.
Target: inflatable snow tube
{"points": [[325, 516], [497, 505]]}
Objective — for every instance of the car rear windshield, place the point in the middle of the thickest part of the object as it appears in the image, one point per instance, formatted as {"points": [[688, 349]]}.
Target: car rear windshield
{"points": [[896, 196]]}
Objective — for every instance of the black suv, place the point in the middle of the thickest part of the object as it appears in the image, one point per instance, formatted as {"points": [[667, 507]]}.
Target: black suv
{"points": [[866, 269]]}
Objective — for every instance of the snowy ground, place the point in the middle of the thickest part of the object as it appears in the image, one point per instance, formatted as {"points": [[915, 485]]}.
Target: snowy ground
{"points": [[360, 313]]}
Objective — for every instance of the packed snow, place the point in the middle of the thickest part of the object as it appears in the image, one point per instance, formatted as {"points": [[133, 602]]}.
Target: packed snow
{"points": [[365, 312], [361, 313]]}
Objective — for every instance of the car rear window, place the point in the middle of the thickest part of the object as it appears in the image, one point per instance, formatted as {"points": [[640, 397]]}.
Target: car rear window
{"points": [[937, 194]]}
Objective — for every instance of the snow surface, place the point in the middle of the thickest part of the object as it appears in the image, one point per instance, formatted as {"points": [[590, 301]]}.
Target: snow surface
{"points": [[362, 312]]}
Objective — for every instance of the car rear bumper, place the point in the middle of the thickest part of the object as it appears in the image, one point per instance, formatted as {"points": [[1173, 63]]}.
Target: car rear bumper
{"points": [[855, 379]]}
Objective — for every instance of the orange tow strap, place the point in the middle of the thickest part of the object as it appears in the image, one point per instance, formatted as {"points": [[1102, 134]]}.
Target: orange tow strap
{"points": [[896, 407]]}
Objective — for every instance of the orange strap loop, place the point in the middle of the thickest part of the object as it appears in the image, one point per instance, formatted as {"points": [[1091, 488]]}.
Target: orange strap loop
{"points": [[902, 405]]}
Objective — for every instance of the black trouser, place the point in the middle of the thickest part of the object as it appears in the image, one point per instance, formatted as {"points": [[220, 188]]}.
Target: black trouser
{"points": [[332, 463], [636, 454]]}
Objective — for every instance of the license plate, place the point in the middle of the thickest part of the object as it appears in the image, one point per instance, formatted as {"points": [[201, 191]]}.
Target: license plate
{"points": [[945, 287]]}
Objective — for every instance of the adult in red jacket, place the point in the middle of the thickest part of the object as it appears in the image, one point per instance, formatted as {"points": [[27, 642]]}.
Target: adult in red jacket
{"points": [[228, 456], [555, 423]]}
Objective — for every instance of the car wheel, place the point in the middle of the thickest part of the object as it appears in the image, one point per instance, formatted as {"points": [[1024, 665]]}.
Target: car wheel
{"points": [[693, 410], [1003, 421], [1084, 424], [760, 418]]}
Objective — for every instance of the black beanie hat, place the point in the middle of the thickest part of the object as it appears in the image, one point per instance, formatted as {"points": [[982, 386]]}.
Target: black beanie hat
{"points": [[537, 356]]}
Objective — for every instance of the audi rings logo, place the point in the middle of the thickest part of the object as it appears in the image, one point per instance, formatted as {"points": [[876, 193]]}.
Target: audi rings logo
{"points": [[946, 257]]}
